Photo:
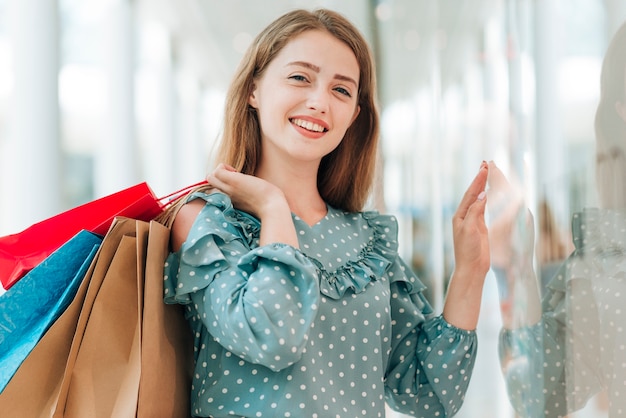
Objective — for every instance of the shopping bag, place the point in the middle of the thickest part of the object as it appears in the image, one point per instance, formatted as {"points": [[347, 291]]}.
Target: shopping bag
{"points": [[33, 390], [166, 341], [130, 354], [107, 380], [22, 251], [30, 307]]}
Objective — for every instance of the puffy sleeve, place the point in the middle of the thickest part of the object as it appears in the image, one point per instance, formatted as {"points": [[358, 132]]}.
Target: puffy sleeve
{"points": [[257, 302], [431, 361]]}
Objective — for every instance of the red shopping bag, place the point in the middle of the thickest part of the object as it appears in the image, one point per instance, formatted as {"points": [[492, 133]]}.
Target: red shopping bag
{"points": [[21, 252]]}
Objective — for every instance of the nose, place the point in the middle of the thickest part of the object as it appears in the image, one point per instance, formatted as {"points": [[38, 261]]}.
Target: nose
{"points": [[318, 100]]}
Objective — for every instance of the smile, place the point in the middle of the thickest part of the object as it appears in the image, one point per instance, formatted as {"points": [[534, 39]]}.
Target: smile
{"points": [[309, 126]]}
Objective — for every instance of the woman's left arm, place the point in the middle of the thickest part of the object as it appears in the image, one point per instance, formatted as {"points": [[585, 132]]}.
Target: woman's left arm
{"points": [[431, 361], [471, 255]]}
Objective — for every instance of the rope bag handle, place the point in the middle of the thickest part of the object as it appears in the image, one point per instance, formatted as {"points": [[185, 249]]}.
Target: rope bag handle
{"points": [[172, 202]]}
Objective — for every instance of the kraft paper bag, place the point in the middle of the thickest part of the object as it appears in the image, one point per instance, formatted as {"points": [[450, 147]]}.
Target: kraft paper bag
{"points": [[130, 355], [102, 376], [146, 372], [165, 384]]}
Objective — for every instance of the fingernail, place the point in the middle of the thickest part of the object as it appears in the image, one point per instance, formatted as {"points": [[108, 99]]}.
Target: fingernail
{"points": [[483, 164], [482, 195]]}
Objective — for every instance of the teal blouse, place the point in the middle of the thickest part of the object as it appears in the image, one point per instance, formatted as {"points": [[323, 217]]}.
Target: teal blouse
{"points": [[333, 329]]}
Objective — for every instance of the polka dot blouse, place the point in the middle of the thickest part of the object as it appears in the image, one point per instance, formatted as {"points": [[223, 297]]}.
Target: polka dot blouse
{"points": [[579, 346], [333, 329]]}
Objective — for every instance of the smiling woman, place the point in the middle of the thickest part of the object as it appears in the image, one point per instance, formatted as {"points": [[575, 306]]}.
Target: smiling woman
{"points": [[318, 102], [141, 91], [289, 285]]}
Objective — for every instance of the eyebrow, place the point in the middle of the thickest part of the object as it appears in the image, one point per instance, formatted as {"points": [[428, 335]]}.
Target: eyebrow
{"points": [[317, 70]]}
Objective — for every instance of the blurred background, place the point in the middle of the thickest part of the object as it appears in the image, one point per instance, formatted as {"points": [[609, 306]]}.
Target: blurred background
{"points": [[98, 95]]}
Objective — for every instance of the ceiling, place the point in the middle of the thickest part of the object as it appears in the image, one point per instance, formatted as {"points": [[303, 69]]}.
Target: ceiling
{"points": [[409, 37]]}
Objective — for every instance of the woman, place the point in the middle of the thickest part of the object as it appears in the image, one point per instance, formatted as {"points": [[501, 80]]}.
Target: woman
{"points": [[299, 303]]}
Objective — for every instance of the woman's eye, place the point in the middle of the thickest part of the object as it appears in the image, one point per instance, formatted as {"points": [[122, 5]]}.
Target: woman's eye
{"points": [[298, 77], [343, 91]]}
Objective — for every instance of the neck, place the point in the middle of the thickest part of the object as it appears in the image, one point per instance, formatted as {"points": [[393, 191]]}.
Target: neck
{"points": [[299, 186]]}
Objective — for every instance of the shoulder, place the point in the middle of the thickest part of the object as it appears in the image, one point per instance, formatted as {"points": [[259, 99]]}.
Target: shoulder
{"points": [[212, 214], [380, 219], [190, 209], [183, 222], [384, 227], [365, 217]]}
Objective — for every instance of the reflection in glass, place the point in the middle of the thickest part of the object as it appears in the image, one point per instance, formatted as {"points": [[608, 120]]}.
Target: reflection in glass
{"points": [[559, 353]]}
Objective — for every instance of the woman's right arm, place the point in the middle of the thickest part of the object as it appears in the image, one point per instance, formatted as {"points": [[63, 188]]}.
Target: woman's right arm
{"points": [[258, 302]]}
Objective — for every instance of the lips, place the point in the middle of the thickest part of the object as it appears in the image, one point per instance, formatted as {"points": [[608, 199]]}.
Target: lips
{"points": [[308, 125]]}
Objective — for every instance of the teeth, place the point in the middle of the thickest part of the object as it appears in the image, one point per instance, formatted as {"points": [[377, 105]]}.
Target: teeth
{"points": [[308, 125]]}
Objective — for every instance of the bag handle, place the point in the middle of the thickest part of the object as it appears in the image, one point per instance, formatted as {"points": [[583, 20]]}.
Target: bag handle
{"points": [[168, 200], [174, 201]]}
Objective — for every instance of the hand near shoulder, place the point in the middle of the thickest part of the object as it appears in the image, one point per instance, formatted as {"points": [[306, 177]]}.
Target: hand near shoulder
{"points": [[260, 198], [248, 193]]}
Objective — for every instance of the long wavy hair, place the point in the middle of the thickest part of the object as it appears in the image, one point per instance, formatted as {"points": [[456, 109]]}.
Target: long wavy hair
{"points": [[345, 175], [610, 128]]}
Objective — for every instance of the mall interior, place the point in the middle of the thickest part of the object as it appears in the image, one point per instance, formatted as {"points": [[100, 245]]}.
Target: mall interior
{"points": [[99, 95]]}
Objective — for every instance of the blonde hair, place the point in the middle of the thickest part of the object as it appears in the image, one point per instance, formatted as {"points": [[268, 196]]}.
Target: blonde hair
{"points": [[610, 128], [346, 175]]}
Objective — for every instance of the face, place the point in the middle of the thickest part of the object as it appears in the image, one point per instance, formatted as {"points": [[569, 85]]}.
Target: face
{"points": [[307, 98]]}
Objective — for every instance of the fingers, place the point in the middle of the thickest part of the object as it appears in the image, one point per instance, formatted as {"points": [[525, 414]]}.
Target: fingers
{"points": [[477, 209], [221, 177], [475, 189]]}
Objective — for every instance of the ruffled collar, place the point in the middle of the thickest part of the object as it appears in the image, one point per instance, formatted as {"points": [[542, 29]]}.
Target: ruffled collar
{"points": [[371, 263]]}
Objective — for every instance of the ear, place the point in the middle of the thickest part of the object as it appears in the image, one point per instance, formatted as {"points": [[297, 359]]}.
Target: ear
{"points": [[252, 100], [620, 108]]}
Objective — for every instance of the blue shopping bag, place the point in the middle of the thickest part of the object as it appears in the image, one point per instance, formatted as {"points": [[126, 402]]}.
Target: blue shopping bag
{"points": [[32, 305]]}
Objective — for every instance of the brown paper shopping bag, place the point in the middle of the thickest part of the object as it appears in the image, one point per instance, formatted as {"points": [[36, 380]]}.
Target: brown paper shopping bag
{"points": [[104, 365], [130, 354], [165, 383], [134, 358]]}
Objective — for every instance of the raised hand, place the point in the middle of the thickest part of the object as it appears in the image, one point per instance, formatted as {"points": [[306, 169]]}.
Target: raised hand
{"points": [[471, 255], [471, 245]]}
